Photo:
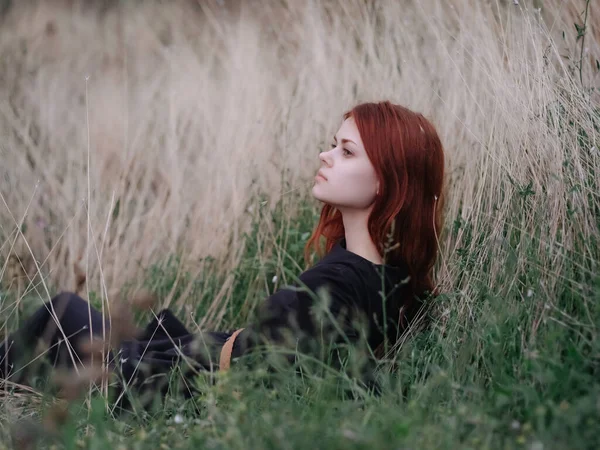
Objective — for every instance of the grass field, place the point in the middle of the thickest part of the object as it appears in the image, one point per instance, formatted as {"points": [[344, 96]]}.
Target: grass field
{"points": [[171, 146]]}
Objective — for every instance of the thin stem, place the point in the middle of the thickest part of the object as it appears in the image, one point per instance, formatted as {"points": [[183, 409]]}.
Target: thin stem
{"points": [[587, 5]]}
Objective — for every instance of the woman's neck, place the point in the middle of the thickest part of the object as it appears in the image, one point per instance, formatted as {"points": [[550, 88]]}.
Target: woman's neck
{"points": [[358, 239]]}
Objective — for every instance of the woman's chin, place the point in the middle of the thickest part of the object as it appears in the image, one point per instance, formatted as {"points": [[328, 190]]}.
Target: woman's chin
{"points": [[315, 193]]}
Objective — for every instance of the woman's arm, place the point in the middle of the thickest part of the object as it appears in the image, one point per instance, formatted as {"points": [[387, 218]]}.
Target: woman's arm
{"points": [[320, 309]]}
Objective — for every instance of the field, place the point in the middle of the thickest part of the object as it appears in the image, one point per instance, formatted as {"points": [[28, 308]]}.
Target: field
{"points": [[171, 147]]}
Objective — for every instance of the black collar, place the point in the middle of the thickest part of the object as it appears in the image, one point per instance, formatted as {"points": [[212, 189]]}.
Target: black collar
{"points": [[339, 251]]}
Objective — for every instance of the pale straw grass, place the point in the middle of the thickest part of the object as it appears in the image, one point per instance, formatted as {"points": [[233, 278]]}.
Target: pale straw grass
{"points": [[187, 111]]}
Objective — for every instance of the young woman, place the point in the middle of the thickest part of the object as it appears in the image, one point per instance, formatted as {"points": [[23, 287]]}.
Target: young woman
{"points": [[381, 186]]}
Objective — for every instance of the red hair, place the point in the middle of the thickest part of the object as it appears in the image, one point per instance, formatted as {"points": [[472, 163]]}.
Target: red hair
{"points": [[408, 158]]}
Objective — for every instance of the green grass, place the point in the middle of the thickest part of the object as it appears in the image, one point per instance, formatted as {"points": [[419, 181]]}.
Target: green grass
{"points": [[520, 370]]}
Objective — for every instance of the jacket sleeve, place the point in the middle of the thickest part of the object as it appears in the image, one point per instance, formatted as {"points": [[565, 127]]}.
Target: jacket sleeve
{"points": [[320, 308]]}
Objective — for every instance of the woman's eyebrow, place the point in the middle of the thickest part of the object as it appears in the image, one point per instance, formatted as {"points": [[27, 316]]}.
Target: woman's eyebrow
{"points": [[344, 140]]}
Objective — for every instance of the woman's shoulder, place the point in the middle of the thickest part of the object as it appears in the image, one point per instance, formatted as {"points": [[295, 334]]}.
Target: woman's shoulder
{"points": [[331, 272], [354, 270], [346, 281]]}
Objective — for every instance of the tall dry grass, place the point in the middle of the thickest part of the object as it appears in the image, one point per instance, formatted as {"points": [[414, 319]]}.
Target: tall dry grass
{"points": [[142, 130]]}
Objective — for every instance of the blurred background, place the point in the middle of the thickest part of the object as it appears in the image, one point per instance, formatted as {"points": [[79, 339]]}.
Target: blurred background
{"points": [[133, 131]]}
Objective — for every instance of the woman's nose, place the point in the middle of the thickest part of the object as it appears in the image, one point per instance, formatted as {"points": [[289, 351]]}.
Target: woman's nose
{"points": [[325, 157]]}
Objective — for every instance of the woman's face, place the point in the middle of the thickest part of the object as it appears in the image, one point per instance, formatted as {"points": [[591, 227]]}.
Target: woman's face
{"points": [[349, 179]]}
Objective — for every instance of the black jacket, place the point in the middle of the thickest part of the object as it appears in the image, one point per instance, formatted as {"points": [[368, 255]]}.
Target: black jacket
{"points": [[362, 300]]}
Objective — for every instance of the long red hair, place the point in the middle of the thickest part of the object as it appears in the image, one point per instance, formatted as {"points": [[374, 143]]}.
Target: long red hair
{"points": [[408, 157]]}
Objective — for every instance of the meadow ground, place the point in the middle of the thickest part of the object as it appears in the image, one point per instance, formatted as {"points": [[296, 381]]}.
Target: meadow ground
{"points": [[172, 147]]}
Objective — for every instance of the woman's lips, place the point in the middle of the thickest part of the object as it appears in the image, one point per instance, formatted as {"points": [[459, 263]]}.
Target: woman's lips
{"points": [[320, 176]]}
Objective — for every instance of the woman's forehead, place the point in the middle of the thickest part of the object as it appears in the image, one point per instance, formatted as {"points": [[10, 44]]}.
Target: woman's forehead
{"points": [[349, 130]]}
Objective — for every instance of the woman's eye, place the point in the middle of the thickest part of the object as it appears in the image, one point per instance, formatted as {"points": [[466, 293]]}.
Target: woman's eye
{"points": [[346, 151]]}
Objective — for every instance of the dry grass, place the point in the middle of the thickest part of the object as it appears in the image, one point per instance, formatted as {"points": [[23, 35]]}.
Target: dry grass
{"points": [[146, 130]]}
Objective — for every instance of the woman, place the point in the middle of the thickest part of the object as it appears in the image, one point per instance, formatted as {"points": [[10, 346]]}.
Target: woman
{"points": [[381, 185]]}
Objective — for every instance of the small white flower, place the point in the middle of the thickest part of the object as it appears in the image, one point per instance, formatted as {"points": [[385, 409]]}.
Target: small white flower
{"points": [[515, 2], [274, 280], [349, 434], [529, 292], [537, 445], [178, 419], [515, 425]]}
